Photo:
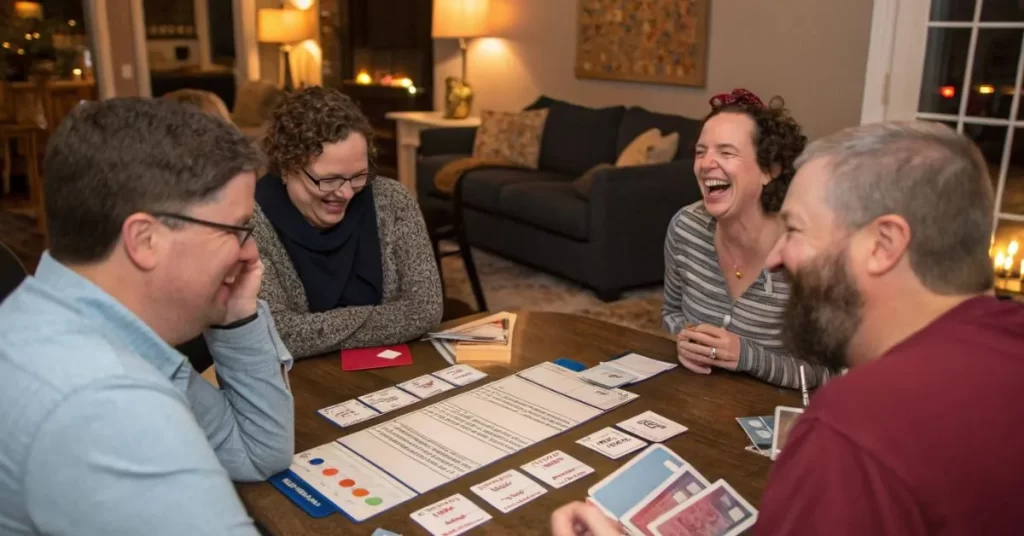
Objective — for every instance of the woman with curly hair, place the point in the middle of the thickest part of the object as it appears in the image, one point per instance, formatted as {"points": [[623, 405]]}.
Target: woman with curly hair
{"points": [[348, 262], [723, 306]]}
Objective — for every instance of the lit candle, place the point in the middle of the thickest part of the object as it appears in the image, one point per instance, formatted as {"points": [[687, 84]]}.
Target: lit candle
{"points": [[1014, 246], [1000, 260]]}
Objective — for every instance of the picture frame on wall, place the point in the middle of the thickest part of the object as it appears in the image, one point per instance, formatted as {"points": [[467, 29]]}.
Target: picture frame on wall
{"points": [[653, 41]]}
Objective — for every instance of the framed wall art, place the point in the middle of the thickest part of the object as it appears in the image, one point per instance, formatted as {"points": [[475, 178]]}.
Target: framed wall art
{"points": [[654, 41]]}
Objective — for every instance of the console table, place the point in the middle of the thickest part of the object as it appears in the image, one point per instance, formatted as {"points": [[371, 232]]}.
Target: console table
{"points": [[410, 124]]}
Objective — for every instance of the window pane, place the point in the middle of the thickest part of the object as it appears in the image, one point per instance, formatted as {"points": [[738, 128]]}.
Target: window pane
{"points": [[953, 10], [945, 63], [991, 141], [994, 74], [1007, 232], [1013, 192], [1002, 11]]}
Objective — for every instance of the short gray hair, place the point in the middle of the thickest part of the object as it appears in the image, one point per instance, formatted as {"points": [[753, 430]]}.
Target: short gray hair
{"points": [[932, 177]]}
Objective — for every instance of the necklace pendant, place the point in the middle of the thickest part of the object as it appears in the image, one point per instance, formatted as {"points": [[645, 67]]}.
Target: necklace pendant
{"points": [[739, 274]]}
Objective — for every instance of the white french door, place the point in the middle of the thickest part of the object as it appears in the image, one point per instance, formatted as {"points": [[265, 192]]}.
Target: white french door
{"points": [[961, 63]]}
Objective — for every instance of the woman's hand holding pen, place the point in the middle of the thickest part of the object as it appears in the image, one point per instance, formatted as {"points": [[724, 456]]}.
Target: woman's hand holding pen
{"points": [[705, 346]]}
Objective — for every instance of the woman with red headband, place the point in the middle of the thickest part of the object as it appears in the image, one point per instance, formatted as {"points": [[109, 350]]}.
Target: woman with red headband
{"points": [[724, 308]]}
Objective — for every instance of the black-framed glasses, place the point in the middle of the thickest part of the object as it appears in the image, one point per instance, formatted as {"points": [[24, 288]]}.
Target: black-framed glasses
{"points": [[332, 184], [242, 232]]}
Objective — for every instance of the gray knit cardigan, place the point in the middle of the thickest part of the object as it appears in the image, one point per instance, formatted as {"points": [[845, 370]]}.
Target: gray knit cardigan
{"points": [[411, 304]]}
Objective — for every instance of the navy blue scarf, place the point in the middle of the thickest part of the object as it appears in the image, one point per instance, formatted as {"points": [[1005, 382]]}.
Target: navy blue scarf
{"points": [[338, 267]]}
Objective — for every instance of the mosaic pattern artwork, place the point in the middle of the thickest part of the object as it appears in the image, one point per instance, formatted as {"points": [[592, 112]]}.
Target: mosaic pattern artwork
{"points": [[657, 41]]}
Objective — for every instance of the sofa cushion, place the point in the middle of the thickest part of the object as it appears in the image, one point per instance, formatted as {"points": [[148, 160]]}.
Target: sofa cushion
{"points": [[637, 120], [552, 206], [577, 138], [481, 188], [511, 137]]}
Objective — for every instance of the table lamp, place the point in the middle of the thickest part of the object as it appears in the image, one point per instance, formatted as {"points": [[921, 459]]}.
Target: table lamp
{"points": [[462, 20], [284, 27]]}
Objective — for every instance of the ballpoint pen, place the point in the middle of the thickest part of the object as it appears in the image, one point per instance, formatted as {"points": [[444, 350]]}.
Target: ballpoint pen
{"points": [[803, 386]]}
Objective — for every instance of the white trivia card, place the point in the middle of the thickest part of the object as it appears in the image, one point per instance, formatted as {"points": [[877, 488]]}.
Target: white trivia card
{"points": [[607, 376], [612, 443], [388, 399], [557, 469], [460, 374], [509, 490], [348, 413], [451, 516], [652, 427], [426, 386]]}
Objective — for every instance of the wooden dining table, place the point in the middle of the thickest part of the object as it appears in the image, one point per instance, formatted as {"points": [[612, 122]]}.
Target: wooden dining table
{"points": [[707, 404]]}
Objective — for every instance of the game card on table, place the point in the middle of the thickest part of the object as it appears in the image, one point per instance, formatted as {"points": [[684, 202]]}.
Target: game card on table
{"points": [[557, 469], [451, 516], [718, 511], [508, 491], [652, 427], [612, 443], [426, 386], [388, 399], [460, 374], [348, 413]]}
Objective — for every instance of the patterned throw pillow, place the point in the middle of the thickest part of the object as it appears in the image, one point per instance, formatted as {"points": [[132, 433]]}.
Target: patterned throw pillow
{"points": [[511, 136]]}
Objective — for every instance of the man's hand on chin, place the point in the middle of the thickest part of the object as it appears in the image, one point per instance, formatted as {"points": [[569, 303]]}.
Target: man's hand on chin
{"points": [[245, 290]]}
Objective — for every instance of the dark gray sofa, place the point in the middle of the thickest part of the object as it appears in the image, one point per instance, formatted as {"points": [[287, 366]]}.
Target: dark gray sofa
{"points": [[609, 238]]}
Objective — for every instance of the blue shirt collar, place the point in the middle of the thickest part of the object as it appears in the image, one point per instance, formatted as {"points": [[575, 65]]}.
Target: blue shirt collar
{"points": [[113, 318]]}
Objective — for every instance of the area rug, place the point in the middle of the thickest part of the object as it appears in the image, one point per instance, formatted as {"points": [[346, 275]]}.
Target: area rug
{"points": [[508, 285]]}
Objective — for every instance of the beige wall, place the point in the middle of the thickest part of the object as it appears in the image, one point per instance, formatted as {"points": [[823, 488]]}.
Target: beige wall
{"points": [[812, 52]]}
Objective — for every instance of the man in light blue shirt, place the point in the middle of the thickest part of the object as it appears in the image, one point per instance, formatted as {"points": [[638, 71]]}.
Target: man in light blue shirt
{"points": [[104, 427]]}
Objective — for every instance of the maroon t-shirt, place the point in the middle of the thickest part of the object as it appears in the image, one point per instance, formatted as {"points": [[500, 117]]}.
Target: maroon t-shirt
{"points": [[929, 439]]}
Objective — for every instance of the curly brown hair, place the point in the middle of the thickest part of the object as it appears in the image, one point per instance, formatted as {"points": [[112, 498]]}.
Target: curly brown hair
{"points": [[307, 119], [778, 140]]}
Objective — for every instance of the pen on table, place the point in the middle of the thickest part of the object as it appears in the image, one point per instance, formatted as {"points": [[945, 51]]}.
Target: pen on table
{"points": [[803, 386]]}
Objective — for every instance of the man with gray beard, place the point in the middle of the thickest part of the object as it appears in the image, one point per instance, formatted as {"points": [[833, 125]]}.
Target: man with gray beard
{"points": [[887, 234]]}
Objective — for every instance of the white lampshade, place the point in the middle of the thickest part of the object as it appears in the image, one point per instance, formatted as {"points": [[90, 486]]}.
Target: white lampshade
{"points": [[285, 26], [460, 18]]}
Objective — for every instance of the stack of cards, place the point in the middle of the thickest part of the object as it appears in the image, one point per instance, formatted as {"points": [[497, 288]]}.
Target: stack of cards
{"points": [[717, 510], [769, 433], [760, 431], [658, 494], [624, 370]]}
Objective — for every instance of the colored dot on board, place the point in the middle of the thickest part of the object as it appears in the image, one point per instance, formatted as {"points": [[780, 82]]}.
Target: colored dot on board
{"points": [[330, 472], [374, 501], [347, 483], [316, 461], [360, 492]]}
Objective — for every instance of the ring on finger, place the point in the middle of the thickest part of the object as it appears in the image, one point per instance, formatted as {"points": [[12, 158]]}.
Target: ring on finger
{"points": [[714, 353]]}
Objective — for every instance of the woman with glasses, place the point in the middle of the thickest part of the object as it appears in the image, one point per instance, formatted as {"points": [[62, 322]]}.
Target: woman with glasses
{"points": [[347, 256]]}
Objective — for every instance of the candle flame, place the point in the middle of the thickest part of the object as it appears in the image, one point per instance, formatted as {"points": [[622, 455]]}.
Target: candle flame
{"points": [[1008, 265], [1014, 246], [1000, 259]]}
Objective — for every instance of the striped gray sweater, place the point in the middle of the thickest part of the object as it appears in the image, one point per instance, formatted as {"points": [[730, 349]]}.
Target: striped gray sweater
{"points": [[696, 292]]}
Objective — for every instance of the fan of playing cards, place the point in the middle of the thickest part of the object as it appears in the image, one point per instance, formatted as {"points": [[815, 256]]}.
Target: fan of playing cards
{"points": [[659, 494]]}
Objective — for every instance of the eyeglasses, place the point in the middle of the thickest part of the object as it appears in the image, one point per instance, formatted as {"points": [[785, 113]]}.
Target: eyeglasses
{"points": [[332, 184], [243, 233]]}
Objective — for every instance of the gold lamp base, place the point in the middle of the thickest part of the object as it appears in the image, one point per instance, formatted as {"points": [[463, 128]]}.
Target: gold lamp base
{"points": [[458, 98]]}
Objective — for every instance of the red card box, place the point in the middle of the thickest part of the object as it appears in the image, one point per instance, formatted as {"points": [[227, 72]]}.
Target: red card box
{"points": [[367, 358]]}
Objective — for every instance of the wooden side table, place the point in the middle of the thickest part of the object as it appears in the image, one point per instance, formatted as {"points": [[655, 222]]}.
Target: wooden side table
{"points": [[29, 134], [409, 126]]}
